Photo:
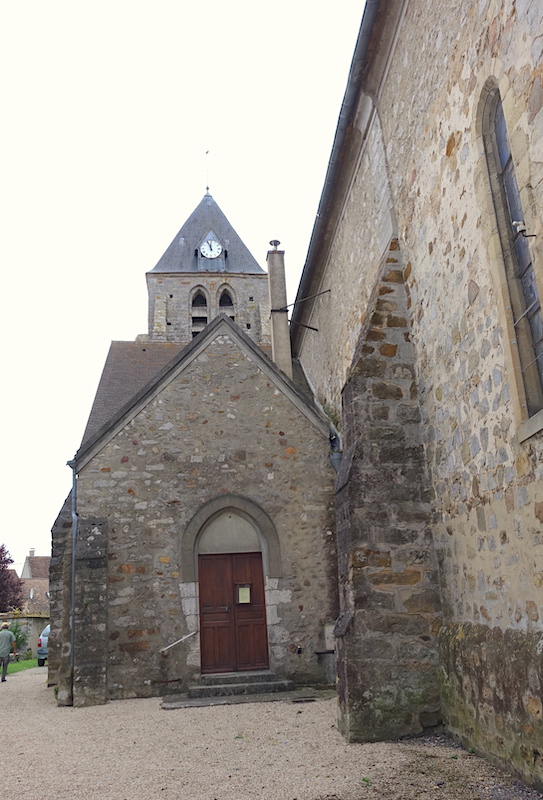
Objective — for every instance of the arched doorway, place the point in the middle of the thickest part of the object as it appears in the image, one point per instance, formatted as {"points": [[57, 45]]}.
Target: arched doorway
{"points": [[234, 545], [228, 551], [233, 632]]}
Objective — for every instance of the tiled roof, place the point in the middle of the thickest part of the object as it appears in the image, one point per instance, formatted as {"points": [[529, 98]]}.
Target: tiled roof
{"points": [[129, 366], [38, 566], [35, 596]]}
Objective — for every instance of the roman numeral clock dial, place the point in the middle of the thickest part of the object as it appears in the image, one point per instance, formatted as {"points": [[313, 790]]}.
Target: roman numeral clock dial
{"points": [[210, 249]]}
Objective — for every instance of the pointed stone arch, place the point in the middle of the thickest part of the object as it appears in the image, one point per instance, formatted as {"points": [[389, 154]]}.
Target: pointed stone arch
{"points": [[226, 301], [199, 309], [199, 297], [271, 550]]}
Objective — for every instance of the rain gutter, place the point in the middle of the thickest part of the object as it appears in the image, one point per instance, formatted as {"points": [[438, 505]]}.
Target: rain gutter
{"points": [[348, 109]]}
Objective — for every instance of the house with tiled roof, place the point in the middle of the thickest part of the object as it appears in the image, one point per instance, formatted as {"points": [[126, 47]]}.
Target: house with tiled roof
{"points": [[33, 616], [35, 566]]}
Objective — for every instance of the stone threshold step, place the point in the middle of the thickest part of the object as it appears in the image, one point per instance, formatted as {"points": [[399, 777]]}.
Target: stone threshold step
{"points": [[299, 695], [225, 689], [260, 676]]}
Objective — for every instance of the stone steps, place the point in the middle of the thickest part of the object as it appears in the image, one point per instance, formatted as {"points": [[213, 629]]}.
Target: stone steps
{"points": [[239, 683]]}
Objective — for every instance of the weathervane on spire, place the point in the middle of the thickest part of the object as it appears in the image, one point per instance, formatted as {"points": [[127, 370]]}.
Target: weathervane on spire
{"points": [[207, 173]]}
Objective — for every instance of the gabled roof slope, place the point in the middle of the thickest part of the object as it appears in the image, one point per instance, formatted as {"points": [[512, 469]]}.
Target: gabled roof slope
{"points": [[221, 324], [128, 367], [36, 567], [206, 217]]}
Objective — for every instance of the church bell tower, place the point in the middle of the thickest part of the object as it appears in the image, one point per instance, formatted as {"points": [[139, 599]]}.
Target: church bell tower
{"points": [[207, 270]]}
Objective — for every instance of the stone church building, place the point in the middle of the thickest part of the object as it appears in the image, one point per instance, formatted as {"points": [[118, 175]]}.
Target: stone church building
{"points": [[429, 358], [417, 342], [203, 540]]}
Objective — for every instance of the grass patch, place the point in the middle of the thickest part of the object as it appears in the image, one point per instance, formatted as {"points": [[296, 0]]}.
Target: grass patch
{"points": [[18, 666]]}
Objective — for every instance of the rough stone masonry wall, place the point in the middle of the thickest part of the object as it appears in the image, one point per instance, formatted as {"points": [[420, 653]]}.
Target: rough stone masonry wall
{"points": [[87, 684], [58, 661], [220, 427], [351, 270], [388, 678], [488, 484], [170, 303]]}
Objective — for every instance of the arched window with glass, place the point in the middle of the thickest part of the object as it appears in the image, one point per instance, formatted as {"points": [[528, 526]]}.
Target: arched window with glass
{"points": [[527, 318]]}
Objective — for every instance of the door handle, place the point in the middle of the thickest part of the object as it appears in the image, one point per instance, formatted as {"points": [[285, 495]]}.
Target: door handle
{"points": [[226, 608]]}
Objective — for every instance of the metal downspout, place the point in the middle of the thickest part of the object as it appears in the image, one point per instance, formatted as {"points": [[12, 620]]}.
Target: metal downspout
{"points": [[72, 465]]}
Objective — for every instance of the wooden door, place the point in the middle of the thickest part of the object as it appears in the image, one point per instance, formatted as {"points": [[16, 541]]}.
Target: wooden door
{"points": [[233, 633]]}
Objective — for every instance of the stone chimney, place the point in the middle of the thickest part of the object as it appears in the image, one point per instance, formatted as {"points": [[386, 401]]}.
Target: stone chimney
{"points": [[32, 551], [280, 336]]}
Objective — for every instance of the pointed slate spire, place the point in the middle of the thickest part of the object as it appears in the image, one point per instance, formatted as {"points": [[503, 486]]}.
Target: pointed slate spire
{"points": [[182, 254]]}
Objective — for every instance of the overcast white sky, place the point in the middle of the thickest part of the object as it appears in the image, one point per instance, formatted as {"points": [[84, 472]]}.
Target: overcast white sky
{"points": [[107, 110]]}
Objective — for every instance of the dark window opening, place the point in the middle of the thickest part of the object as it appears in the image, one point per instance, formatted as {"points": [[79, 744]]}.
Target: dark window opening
{"points": [[199, 320], [248, 326], [225, 300], [199, 300]]}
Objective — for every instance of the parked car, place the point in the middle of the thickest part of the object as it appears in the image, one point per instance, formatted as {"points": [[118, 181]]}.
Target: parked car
{"points": [[43, 650]]}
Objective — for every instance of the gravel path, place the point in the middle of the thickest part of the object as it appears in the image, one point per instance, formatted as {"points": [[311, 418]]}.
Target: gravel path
{"points": [[135, 750]]}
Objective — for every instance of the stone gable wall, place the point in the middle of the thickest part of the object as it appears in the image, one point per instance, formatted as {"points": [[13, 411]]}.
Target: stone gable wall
{"points": [[220, 427]]}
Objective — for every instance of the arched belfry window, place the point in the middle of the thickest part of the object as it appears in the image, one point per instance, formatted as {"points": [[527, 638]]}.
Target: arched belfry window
{"points": [[527, 318], [226, 299], [199, 300], [227, 303], [199, 312]]}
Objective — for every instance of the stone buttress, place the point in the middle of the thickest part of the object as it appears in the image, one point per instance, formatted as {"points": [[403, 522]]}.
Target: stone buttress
{"points": [[390, 603]]}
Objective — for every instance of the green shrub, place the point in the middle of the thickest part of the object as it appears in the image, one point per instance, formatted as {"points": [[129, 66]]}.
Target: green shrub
{"points": [[20, 636]]}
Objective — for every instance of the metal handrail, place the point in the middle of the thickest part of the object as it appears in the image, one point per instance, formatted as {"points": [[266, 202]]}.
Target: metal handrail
{"points": [[163, 649]]}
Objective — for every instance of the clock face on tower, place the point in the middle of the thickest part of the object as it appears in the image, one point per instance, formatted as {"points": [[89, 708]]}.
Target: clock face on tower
{"points": [[210, 249]]}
